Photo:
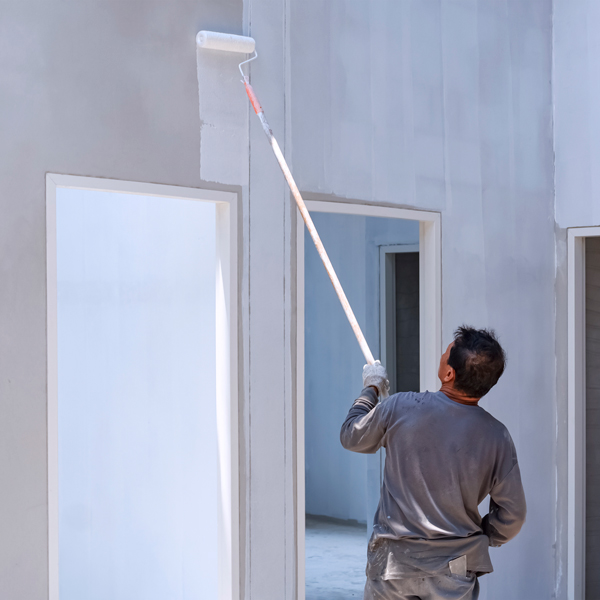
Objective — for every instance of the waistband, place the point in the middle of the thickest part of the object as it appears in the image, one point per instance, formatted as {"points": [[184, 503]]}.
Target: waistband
{"points": [[406, 558]]}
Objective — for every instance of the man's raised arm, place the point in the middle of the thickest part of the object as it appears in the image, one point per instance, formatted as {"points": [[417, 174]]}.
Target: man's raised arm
{"points": [[365, 424]]}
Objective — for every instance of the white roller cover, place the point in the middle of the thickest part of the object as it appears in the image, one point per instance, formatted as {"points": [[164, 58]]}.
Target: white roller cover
{"points": [[226, 42]]}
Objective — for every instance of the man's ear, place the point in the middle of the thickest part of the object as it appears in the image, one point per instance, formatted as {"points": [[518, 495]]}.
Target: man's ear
{"points": [[449, 374]]}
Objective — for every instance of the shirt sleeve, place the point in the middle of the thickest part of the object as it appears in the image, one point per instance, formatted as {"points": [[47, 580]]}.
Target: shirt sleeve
{"points": [[507, 509], [365, 425]]}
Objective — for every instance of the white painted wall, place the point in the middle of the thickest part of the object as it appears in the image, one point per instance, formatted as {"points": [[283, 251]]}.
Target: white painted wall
{"points": [[137, 430], [446, 105]]}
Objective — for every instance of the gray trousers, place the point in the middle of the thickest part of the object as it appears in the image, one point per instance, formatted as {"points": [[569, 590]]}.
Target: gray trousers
{"points": [[443, 587]]}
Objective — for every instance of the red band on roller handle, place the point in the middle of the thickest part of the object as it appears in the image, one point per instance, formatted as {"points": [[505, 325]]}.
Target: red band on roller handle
{"points": [[253, 99]]}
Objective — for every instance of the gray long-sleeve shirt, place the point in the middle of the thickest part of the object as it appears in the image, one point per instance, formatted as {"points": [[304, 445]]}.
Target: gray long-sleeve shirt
{"points": [[442, 459]]}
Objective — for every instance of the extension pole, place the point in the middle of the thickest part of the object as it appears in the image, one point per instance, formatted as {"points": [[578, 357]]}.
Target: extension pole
{"points": [[309, 224]]}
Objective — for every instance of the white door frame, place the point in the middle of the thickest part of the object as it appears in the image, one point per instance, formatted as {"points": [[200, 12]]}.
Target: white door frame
{"points": [[576, 409], [226, 355], [430, 281]]}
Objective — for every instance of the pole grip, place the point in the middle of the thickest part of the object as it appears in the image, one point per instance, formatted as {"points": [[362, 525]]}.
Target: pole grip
{"points": [[362, 342], [252, 97]]}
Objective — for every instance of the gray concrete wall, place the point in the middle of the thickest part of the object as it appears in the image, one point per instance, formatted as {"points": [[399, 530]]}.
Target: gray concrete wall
{"points": [[446, 105], [116, 89], [577, 112], [443, 105], [101, 88], [576, 94]]}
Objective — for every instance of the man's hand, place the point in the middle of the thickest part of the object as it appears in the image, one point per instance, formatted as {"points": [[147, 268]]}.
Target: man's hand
{"points": [[376, 376]]}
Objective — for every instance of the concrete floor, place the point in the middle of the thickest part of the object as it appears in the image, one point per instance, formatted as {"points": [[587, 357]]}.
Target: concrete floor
{"points": [[336, 557]]}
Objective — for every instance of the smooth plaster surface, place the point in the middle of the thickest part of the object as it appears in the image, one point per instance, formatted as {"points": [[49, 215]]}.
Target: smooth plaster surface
{"points": [[438, 104], [576, 121], [576, 80], [446, 105], [102, 88]]}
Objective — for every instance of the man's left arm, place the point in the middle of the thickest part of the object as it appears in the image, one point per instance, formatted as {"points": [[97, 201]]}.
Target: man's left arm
{"points": [[507, 509]]}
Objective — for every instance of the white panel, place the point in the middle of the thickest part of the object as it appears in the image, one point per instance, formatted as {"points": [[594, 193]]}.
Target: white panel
{"points": [[137, 437]]}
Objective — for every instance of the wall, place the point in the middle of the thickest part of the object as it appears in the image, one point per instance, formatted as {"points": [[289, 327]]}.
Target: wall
{"points": [[342, 484], [446, 105], [576, 112], [576, 116], [442, 104], [101, 88], [116, 89], [336, 480]]}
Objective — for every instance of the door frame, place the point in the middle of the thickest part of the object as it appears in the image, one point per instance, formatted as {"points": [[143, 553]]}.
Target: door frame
{"points": [[430, 281], [576, 420], [227, 358]]}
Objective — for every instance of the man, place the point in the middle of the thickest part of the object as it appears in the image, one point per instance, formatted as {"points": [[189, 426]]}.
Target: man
{"points": [[444, 455]]}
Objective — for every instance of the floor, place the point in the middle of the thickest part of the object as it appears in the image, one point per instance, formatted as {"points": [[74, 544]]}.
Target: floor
{"points": [[336, 556]]}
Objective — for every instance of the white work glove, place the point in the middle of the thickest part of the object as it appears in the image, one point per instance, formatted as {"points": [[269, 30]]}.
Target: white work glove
{"points": [[377, 376]]}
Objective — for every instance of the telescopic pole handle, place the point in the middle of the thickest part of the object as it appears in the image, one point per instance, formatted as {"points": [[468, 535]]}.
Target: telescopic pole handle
{"points": [[310, 225]]}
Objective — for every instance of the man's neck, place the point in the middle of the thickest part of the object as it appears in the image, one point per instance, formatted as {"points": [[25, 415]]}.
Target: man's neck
{"points": [[457, 396]]}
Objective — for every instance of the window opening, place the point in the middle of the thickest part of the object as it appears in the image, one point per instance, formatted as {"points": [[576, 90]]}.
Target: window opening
{"points": [[137, 434]]}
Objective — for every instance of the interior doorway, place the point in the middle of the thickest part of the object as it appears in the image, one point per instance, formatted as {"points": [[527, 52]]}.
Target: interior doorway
{"points": [[388, 266]]}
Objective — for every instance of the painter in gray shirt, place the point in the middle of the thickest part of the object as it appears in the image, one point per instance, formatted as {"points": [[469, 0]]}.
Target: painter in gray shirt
{"points": [[444, 455]]}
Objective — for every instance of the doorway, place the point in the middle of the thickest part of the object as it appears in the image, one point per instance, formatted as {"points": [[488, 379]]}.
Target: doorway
{"points": [[385, 261]]}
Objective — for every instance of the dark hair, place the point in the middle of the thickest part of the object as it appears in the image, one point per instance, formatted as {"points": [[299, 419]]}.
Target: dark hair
{"points": [[477, 359]]}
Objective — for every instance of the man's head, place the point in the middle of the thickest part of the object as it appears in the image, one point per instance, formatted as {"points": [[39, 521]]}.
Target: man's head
{"points": [[473, 362]]}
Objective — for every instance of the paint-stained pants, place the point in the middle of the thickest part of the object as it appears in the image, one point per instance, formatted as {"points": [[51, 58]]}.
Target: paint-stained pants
{"points": [[444, 587]]}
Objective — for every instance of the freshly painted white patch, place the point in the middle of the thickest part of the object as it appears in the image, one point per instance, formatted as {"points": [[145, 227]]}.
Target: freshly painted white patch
{"points": [[223, 118]]}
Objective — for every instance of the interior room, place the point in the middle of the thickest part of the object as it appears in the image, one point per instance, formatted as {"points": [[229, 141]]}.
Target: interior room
{"points": [[377, 261]]}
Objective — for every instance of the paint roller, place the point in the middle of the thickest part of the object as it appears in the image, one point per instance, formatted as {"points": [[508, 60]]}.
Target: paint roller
{"points": [[227, 42]]}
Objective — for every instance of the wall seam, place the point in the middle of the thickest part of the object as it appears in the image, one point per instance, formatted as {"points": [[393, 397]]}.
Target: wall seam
{"points": [[558, 545], [248, 402]]}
